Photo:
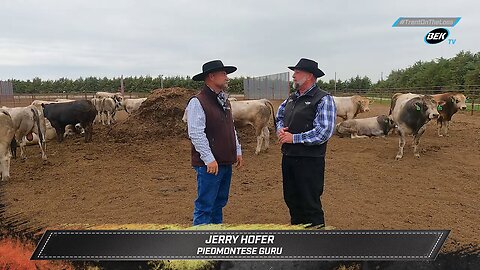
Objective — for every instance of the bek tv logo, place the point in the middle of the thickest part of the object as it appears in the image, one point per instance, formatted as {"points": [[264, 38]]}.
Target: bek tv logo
{"points": [[438, 35]]}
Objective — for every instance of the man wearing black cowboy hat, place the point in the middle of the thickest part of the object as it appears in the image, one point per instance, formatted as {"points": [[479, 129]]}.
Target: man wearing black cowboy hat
{"points": [[305, 122], [215, 145]]}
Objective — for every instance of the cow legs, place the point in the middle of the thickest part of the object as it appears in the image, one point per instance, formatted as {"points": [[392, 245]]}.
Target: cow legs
{"points": [[266, 138], [103, 117], [447, 124], [88, 131], [60, 131], [23, 143], [259, 144], [416, 140], [439, 128], [5, 164], [97, 118], [13, 147], [401, 145], [259, 134], [113, 117], [43, 148], [109, 117], [356, 136]]}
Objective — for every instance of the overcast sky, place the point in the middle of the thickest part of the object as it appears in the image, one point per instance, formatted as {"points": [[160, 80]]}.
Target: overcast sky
{"points": [[52, 39]]}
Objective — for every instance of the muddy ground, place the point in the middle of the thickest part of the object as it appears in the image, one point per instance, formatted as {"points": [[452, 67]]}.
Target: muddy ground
{"points": [[150, 180]]}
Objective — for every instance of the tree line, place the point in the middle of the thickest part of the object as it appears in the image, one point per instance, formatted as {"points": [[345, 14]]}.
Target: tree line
{"points": [[440, 74]]}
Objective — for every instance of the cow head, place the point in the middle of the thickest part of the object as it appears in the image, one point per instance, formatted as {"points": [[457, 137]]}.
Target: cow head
{"points": [[362, 104], [118, 102], [428, 105], [386, 122], [459, 101]]}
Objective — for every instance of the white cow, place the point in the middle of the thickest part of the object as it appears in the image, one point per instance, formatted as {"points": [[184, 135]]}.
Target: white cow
{"points": [[108, 109], [97, 102], [349, 107], [117, 96], [132, 104], [7, 133], [365, 127], [256, 113], [28, 120]]}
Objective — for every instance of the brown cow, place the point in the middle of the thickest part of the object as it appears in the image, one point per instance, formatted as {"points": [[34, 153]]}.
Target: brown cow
{"points": [[449, 104]]}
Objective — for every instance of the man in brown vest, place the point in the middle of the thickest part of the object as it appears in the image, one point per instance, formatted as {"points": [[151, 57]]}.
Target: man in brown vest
{"points": [[305, 122], [215, 145]]}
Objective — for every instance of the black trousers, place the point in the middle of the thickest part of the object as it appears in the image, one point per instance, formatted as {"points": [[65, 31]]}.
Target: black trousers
{"points": [[303, 179]]}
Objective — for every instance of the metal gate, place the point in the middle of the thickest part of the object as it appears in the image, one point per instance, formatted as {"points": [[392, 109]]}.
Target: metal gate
{"points": [[6, 93], [275, 86]]}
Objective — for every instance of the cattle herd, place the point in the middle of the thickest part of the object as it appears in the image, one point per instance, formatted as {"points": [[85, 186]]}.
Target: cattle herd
{"points": [[46, 120], [409, 115]]}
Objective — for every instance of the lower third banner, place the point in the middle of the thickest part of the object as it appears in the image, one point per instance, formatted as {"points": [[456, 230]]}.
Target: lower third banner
{"points": [[330, 245]]}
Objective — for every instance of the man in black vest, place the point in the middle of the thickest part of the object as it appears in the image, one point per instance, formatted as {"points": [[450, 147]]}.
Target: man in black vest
{"points": [[305, 122], [215, 145]]}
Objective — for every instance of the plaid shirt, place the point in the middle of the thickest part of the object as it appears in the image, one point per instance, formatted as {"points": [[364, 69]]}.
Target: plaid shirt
{"points": [[323, 124]]}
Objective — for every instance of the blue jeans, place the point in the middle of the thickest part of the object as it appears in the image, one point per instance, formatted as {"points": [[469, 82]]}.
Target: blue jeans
{"points": [[212, 194]]}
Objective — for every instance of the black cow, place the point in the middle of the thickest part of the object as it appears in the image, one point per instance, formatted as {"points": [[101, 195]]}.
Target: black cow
{"points": [[71, 113]]}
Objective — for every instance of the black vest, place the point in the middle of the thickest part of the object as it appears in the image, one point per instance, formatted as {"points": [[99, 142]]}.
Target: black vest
{"points": [[218, 128], [298, 117]]}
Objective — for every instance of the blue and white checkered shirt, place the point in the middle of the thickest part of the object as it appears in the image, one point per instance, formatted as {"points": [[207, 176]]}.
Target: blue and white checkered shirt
{"points": [[196, 122], [323, 124]]}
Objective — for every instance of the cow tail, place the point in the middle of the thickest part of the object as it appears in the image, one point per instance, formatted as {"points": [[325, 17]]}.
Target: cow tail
{"points": [[36, 118], [392, 103], [273, 115]]}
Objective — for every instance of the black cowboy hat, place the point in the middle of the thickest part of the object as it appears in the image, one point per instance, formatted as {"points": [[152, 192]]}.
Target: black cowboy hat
{"points": [[308, 66], [212, 66]]}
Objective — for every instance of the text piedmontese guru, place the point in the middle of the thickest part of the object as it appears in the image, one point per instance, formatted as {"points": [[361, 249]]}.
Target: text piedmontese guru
{"points": [[240, 240]]}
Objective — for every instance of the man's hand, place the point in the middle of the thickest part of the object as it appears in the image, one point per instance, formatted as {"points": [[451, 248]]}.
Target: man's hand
{"points": [[212, 167], [281, 131], [239, 162], [284, 136]]}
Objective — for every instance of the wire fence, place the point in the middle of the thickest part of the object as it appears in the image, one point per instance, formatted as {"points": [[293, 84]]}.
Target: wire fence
{"points": [[26, 99], [379, 95]]}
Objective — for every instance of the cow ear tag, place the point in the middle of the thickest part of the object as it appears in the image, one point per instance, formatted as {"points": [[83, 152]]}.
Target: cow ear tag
{"points": [[417, 107], [439, 107]]}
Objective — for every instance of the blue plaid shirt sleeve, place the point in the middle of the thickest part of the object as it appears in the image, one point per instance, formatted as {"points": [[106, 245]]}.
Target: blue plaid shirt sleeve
{"points": [[281, 115], [323, 124]]}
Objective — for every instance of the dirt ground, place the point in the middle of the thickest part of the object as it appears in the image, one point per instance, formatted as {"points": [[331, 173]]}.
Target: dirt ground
{"points": [[110, 181]]}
